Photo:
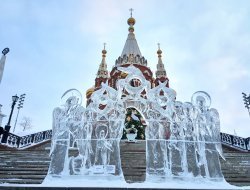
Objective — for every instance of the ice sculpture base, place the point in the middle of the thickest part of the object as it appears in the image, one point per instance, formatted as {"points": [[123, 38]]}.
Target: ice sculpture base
{"points": [[186, 178], [79, 181], [180, 183]]}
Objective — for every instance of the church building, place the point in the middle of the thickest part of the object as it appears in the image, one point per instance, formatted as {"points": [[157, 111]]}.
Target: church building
{"points": [[131, 55]]}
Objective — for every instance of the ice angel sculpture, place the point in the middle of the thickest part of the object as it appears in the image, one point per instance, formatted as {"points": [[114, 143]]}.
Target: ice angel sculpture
{"points": [[208, 136], [190, 138], [66, 120], [86, 141], [103, 146], [159, 116], [182, 139], [107, 124]]}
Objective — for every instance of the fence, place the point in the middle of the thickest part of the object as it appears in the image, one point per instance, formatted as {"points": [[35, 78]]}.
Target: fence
{"points": [[235, 142], [18, 142], [26, 141]]}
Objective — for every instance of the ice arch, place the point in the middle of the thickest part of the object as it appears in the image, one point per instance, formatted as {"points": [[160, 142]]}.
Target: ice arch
{"points": [[182, 139]]}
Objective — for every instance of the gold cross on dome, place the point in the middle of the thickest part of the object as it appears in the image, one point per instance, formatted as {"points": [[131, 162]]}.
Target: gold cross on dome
{"points": [[131, 11]]}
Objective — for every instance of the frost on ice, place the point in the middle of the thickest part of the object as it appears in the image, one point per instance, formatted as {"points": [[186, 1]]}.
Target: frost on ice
{"points": [[182, 139]]}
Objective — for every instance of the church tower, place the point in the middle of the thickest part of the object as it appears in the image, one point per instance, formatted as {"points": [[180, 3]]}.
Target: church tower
{"points": [[131, 55], [160, 73], [102, 74]]}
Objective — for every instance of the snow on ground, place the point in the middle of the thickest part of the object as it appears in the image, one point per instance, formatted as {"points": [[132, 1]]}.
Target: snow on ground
{"points": [[77, 181]]}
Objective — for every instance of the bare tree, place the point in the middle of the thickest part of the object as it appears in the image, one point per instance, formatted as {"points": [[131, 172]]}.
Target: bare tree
{"points": [[26, 123]]}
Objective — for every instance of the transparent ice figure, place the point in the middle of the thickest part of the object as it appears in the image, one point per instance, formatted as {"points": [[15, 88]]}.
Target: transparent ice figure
{"points": [[66, 120], [182, 139]]}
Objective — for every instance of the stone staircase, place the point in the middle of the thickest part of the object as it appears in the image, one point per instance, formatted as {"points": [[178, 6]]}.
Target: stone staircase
{"points": [[30, 166], [236, 167], [133, 159]]}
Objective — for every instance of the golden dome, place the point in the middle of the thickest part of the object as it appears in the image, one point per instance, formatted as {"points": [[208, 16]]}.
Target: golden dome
{"points": [[90, 91], [159, 51], [124, 75], [131, 21], [104, 51]]}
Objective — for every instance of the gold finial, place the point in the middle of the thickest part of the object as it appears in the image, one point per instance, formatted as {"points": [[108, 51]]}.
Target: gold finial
{"points": [[159, 52], [131, 21], [104, 50]]}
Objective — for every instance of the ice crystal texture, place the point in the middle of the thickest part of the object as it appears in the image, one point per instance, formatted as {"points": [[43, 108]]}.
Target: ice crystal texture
{"points": [[182, 139]]}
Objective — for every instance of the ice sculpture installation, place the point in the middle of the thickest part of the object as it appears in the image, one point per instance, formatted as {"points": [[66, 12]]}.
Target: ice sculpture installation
{"points": [[182, 139]]}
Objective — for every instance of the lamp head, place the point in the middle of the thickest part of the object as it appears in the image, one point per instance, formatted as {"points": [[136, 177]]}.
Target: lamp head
{"points": [[15, 98], [5, 51]]}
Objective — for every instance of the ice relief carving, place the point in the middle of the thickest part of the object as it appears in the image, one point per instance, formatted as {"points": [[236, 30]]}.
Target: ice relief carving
{"points": [[182, 139]]}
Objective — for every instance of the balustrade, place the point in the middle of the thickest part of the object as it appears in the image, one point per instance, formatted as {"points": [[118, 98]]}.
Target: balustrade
{"points": [[26, 141], [36, 138], [235, 141]]}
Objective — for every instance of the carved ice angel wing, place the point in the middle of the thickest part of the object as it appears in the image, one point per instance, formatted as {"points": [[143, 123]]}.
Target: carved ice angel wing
{"points": [[216, 130], [57, 117]]}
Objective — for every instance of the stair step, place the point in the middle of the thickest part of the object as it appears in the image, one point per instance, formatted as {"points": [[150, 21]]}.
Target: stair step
{"points": [[21, 181], [31, 166], [23, 169], [16, 172], [14, 176]]}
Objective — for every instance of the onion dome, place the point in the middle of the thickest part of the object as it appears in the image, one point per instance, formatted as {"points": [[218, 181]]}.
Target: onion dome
{"points": [[90, 91], [159, 52], [104, 52], [131, 21], [124, 75]]}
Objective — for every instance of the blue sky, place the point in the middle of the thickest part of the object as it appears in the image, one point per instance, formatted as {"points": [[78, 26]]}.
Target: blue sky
{"points": [[56, 45]]}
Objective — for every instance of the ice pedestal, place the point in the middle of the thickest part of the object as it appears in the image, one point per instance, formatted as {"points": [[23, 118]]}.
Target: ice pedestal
{"points": [[171, 163], [131, 137], [102, 162]]}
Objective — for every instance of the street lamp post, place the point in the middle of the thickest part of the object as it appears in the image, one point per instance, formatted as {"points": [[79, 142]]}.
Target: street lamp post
{"points": [[246, 100], [19, 106], [7, 127]]}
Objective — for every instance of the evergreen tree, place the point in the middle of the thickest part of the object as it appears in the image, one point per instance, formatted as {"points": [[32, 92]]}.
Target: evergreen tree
{"points": [[133, 123]]}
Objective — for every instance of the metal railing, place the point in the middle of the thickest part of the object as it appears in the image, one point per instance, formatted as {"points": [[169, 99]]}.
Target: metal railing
{"points": [[21, 142], [235, 142], [18, 142]]}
